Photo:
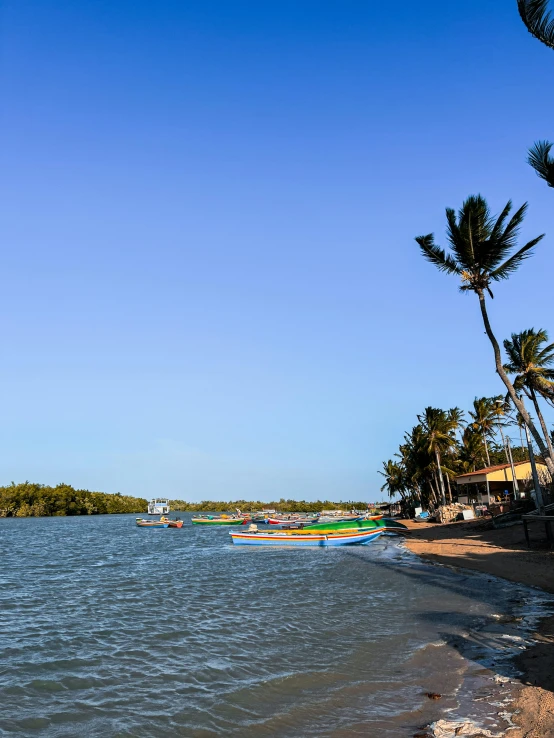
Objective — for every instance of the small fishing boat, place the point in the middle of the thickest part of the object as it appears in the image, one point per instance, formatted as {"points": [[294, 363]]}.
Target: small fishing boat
{"points": [[172, 523], [285, 519], [219, 520], [152, 523], [385, 525], [293, 538]]}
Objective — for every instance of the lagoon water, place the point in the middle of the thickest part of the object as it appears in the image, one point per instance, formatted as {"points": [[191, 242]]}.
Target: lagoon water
{"points": [[111, 630]]}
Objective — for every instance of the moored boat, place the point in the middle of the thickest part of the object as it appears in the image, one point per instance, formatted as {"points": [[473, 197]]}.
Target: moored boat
{"points": [[293, 538], [151, 523], [385, 525], [219, 520], [172, 523]]}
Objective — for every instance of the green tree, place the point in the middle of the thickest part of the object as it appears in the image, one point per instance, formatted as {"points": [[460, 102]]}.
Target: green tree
{"points": [[539, 22], [483, 252], [484, 419], [439, 428], [533, 364]]}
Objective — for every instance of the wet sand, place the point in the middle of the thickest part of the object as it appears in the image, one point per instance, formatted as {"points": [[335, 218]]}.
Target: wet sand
{"points": [[504, 553]]}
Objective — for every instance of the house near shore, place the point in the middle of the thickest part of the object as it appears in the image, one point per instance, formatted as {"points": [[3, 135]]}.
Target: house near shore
{"points": [[496, 482]]}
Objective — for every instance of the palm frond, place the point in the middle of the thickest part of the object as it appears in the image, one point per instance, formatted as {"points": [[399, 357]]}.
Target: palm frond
{"points": [[436, 255], [541, 161], [539, 22], [511, 265]]}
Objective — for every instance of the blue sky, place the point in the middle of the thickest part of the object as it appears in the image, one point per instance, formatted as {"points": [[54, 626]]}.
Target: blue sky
{"points": [[210, 284]]}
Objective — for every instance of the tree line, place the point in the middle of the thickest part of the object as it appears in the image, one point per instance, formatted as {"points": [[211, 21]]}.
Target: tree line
{"points": [[482, 250], [37, 500], [282, 505]]}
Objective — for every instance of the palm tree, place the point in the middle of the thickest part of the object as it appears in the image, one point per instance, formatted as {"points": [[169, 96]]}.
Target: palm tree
{"points": [[394, 479], [541, 161], [482, 252], [537, 18], [472, 449], [532, 362], [539, 22], [484, 418], [439, 428]]}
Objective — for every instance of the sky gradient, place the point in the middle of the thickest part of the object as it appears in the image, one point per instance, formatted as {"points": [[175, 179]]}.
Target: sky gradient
{"points": [[210, 284]]}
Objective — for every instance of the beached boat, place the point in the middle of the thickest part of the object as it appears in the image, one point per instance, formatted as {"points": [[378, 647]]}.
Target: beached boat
{"points": [[151, 523], [219, 520], [294, 538]]}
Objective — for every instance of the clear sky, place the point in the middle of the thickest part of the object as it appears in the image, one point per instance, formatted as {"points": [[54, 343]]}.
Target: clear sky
{"points": [[210, 287]]}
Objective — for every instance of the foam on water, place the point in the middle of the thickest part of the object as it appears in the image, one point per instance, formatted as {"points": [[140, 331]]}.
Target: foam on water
{"points": [[112, 630]]}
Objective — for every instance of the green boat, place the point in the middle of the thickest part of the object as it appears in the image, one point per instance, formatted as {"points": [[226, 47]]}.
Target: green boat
{"points": [[386, 525], [218, 520]]}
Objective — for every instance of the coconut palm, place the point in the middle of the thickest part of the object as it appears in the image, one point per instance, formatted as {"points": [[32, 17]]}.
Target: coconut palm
{"points": [[472, 450], [439, 428], [539, 22], [394, 479], [533, 364], [484, 419], [538, 19], [483, 252], [541, 161]]}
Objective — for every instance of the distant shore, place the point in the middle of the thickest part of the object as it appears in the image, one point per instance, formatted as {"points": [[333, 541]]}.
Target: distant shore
{"points": [[504, 553]]}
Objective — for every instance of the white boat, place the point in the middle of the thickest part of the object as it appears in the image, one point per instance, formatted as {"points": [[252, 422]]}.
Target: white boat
{"points": [[158, 507]]}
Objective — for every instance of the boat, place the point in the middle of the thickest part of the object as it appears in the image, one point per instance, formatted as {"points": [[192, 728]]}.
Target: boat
{"points": [[292, 538], [385, 525], [219, 520], [172, 523], [158, 507], [284, 519], [152, 523]]}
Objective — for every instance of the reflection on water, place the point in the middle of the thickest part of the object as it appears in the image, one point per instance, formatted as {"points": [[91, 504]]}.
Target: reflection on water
{"points": [[111, 630]]}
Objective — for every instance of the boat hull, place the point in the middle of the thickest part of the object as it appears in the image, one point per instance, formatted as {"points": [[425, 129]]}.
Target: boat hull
{"points": [[346, 538]]}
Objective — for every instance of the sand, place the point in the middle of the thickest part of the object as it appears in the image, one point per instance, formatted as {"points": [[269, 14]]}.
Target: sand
{"points": [[504, 553]]}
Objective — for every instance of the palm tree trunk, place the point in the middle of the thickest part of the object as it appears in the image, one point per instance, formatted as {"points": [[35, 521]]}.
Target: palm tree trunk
{"points": [[487, 450], [541, 421], [510, 387], [439, 470], [449, 490], [434, 499]]}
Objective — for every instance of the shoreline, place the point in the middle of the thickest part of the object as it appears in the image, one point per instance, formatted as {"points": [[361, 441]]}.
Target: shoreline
{"points": [[503, 553]]}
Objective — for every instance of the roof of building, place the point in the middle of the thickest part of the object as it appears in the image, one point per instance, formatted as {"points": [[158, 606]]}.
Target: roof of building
{"points": [[498, 467]]}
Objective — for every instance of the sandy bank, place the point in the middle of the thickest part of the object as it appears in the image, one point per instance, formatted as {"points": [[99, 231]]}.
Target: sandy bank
{"points": [[504, 553]]}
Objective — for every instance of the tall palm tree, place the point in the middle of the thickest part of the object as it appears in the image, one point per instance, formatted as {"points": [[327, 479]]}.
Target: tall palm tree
{"points": [[440, 428], [533, 364], [482, 252], [541, 161], [484, 419], [539, 22], [538, 19]]}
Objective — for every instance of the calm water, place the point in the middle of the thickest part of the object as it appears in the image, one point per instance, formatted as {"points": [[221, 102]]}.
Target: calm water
{"points": [[111, 630]]}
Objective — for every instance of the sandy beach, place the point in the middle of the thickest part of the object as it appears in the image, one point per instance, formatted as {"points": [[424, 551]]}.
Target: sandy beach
{"points": [[503, 553]]}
